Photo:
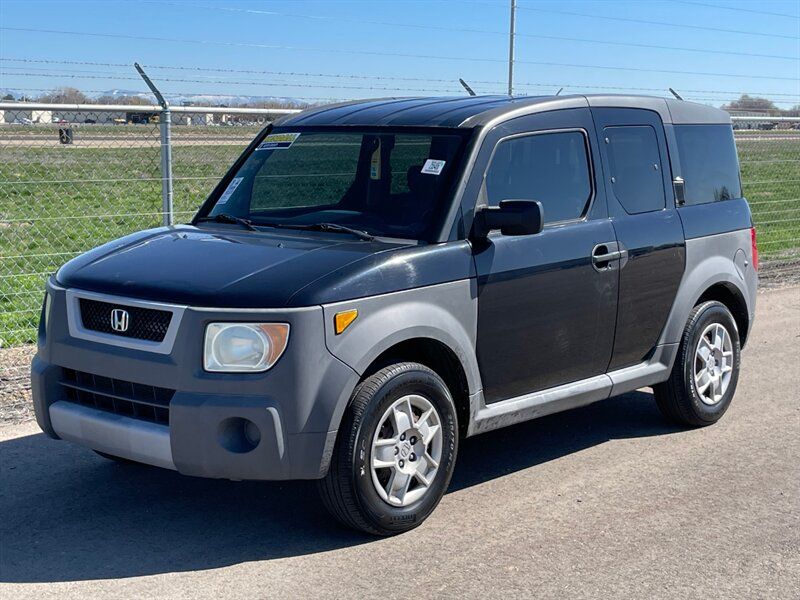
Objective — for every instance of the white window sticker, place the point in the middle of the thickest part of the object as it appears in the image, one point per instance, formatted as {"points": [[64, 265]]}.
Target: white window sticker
{"points": [[226, 195], [278, 141], [433, 167], [375, 163]]}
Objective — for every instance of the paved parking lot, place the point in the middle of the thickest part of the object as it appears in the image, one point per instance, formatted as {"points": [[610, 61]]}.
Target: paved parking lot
{"points": [[604, 501]]}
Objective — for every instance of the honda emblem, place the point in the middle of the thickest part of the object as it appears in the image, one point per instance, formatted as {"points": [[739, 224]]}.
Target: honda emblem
{"points": [[119, 320]]}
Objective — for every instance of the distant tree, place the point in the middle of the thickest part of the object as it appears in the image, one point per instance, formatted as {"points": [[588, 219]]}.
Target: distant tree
{"points": [[64, 95], [8, 97], [132, 100], [751, 103]]}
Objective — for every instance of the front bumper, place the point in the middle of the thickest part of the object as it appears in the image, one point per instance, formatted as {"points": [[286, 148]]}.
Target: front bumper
{"points": [[280, 424]]}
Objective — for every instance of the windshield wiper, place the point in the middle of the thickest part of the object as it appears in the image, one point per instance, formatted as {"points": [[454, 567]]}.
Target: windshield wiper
{"points": [[336, 228], [227, 218], [332, 227]]}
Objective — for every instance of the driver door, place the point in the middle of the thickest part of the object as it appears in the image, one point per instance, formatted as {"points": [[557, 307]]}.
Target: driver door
{"points": [[546, 302]]}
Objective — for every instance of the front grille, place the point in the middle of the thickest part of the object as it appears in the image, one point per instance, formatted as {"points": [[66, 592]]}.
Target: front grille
{"points": [[144, 402], [142, 323]]}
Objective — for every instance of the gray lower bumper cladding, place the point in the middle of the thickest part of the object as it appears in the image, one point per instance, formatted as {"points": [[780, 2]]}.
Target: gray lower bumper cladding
{"points": [[113, 434]]}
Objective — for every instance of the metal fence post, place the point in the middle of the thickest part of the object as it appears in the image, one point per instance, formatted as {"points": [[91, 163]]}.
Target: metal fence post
{"points": [[165, 126]]}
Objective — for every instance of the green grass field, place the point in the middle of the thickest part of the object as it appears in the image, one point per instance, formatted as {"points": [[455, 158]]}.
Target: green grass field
{"points": [[58, 201]]}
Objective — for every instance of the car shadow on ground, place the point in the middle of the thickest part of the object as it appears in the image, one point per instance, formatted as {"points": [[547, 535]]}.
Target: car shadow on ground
{"points": [[70, 515]]}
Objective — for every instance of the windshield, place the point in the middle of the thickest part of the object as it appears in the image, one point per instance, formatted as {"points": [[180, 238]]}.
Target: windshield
{"points": [[383, 182]]}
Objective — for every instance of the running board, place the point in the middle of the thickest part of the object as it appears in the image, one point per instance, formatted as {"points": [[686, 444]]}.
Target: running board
{"points": [[571, 395]]}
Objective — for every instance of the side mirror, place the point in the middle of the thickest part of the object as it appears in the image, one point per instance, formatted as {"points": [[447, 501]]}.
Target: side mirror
{"points": [[511, 217]]}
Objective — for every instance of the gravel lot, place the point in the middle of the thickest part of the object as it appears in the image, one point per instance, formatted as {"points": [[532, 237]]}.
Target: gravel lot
{"points": [[604, 501]]}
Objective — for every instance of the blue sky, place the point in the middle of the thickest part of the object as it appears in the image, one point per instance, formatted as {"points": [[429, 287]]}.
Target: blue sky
{"points": [[413, 47]]}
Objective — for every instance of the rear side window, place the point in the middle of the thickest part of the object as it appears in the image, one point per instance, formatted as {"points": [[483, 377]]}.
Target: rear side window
{"points": [[552, 168], [635, 164], [708, 163]]}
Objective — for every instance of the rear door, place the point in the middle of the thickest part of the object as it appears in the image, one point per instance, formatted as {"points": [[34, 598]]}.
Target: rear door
{"points": [[638, 183]]}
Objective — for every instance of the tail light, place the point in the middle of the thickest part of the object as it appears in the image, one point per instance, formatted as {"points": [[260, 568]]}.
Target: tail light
{"points": [[754, 247]]}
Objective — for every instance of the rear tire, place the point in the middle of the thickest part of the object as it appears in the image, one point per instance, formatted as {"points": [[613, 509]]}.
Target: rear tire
{"points": [[706, 370], [395, 451]]}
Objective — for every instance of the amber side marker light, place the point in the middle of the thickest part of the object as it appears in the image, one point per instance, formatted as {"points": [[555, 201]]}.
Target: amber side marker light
{"points": [[342, 320]]}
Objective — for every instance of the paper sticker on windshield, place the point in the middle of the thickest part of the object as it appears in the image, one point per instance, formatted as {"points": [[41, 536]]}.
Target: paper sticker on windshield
{"points": [[278, 141], [433, 167], [229, 190]]}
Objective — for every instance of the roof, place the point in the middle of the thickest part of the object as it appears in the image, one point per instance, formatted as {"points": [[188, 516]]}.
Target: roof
{"points": [[475, 111]]}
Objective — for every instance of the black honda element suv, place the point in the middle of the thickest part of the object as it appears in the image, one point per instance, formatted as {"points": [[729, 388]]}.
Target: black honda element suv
{"points": [[374, 281]]}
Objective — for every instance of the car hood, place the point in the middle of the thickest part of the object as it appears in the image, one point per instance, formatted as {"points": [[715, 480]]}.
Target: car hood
{"points": [[219, 267]]}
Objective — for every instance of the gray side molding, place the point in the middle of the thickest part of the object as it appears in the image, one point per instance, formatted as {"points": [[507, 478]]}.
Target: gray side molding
{"points": [[486, 417], [446, 312], [711, 260]]}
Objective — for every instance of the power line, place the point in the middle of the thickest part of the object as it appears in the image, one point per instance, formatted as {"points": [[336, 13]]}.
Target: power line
{"points": [[659, 23], [392, 54], [247, 44], [745, 10], [272, 13]]}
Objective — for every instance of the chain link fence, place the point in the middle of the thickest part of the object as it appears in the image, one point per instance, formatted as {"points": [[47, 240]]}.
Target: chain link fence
{"points": [[769, 155], [71, 179]]}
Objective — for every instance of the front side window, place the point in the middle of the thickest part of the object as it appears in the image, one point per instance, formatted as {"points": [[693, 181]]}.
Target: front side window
{"points": [[635, 165], [387, 183], [708, 163], [552, 168]]}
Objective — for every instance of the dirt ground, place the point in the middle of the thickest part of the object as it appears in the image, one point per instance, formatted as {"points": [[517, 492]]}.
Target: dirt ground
{"points": [[15, 387]]}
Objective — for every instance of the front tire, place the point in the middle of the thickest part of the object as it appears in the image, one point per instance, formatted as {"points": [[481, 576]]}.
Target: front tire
{"points": [[706, 370], [395, 452]]}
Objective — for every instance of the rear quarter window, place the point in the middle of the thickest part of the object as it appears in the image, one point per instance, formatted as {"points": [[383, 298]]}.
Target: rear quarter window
{"points": [[635, 165], [709, 165]]}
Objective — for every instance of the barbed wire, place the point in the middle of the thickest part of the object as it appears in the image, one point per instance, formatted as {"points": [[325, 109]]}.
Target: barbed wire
{"points": [[405, 89], [388, 77], [175, 94]]}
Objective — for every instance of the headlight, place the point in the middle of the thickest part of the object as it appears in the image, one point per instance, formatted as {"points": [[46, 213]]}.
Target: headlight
{"points": [[244, 347]]}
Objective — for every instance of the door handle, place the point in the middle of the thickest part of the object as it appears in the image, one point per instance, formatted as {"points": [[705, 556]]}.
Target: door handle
{"points": [[604, 254], [608, 257]]}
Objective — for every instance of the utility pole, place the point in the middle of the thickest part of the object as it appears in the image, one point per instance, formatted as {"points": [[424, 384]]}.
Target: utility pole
{"points": [[511, 49]]}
